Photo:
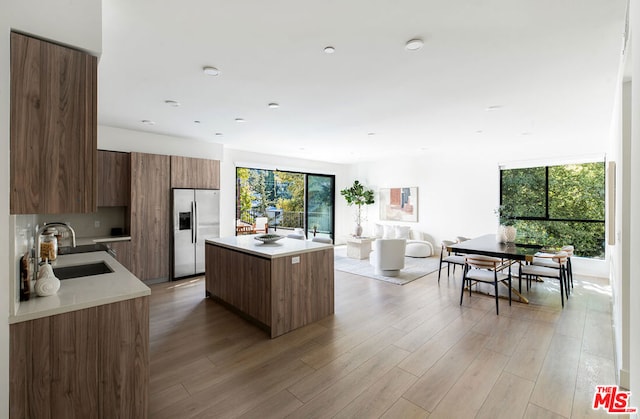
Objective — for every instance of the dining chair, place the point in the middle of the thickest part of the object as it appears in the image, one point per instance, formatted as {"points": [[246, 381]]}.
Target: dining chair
{"points": [[485, 269], [546, 259], [560, 273], [449, 259], [326, 240], [296, 236], [461, 239]]}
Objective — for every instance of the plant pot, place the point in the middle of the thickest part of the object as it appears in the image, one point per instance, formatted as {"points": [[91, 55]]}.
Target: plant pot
{"points": [[357, 231]]}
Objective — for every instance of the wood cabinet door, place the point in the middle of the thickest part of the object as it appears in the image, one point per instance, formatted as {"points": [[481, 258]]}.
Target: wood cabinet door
{"points": [[189, 172], [122, 252], [53, 128], [150, 216], [114, 188], [89, 363]]}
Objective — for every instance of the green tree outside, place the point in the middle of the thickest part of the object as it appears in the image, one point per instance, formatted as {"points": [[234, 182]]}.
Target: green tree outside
{"points": [[571, 210]]}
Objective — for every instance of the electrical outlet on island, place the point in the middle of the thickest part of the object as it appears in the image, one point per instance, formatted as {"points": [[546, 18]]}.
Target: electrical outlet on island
{"points": [[96, 224]]}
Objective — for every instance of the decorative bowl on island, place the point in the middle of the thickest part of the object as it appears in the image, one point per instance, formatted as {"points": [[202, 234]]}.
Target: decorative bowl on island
{"points": [[268, 238]]}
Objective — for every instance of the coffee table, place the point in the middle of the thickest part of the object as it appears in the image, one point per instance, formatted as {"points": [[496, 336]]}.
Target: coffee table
{"points": [[359, 247]]}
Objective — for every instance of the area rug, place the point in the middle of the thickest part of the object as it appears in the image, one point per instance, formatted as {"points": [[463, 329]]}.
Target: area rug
{"points": [[414, 268]]}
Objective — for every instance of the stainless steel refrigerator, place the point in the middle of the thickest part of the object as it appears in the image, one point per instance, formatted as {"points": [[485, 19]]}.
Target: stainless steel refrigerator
{"points": [[196, 217]]}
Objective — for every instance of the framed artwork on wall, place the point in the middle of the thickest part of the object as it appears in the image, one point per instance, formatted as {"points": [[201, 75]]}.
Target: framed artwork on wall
{"points": [[399, 204]]}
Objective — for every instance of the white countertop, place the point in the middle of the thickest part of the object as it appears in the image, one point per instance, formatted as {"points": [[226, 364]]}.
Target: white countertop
{"points": [[84, 292], [103, 239], [283, 247]]}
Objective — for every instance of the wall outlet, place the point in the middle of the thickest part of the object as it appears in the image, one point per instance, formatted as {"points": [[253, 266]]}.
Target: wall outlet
{"points": [[295, 259], [96, 224]]}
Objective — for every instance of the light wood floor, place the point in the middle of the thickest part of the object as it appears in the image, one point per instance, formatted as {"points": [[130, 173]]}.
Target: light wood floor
{"points": [[389, 351]]}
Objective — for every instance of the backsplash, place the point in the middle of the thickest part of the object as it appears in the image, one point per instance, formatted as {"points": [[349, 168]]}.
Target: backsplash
{"points": [[97, 224]]}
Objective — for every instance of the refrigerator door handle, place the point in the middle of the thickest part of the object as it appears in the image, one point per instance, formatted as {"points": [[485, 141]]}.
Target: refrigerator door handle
{"points": [[193, 222], [195, 227]]}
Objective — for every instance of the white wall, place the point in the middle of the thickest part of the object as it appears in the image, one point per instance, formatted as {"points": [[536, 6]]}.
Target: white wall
{"points": [[119, 139], [634, 210], [458, 191], [76, 23]]}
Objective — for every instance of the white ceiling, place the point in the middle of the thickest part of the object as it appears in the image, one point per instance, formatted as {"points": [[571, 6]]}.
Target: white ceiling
{"points": [[550, 65]]}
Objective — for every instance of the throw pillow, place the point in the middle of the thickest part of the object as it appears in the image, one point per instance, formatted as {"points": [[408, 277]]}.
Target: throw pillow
{"points": [[378, 231], [389, 232], [402, 232]]}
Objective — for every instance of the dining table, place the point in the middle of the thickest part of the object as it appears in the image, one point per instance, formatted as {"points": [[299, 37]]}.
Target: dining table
{"points": [[510, 253]]}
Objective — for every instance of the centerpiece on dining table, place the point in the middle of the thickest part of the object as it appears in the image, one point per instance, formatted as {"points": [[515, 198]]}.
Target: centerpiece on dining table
{"points": [[506, 230]]}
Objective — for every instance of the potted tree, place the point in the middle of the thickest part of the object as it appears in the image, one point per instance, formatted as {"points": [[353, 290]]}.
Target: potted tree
{"points": [[358, 195]]}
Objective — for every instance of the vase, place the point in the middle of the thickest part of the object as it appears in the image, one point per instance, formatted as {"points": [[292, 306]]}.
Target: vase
{"points": [[47, 283], [500, 235], [358, 231], [510, 234]]}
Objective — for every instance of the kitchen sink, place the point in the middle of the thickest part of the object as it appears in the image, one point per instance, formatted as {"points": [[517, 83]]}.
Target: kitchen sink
{"points": [[77, 271]]}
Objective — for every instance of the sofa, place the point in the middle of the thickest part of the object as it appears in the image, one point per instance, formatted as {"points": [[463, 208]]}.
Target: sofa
{"points": [[418, 244]]}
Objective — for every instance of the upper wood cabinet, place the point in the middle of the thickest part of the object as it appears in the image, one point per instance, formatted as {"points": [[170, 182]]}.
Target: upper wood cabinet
{"points": [[150, 216], [114, 174], [189, 172], [53, 128]]}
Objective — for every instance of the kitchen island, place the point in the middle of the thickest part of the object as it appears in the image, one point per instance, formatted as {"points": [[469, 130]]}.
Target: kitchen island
{"points": [[279, 286]]}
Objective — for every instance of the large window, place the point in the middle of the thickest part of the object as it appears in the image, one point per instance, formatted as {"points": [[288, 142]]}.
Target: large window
{"points": [[289, 200], [558, 205]]}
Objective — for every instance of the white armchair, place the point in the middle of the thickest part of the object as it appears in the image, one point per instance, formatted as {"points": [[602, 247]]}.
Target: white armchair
{"points": [[387, 256]]}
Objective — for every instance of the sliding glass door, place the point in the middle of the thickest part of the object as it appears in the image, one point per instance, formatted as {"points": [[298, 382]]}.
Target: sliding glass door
{"points": [[287, 200], [320, 205]]}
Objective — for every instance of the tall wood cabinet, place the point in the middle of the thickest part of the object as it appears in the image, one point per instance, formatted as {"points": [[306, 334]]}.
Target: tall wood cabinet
{"points": [[114, 189], [53, 128], [90, 363], [150, 215], [189, 172]]}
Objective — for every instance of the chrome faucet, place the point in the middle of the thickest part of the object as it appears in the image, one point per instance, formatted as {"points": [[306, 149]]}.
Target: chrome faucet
{"points": [[39, 231]]}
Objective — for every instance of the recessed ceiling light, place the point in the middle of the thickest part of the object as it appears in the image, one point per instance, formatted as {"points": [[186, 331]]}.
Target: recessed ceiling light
{"points": [[479, 131], [210, 71], [273, 105], [148, 122], [329, 49], [414, 44], [493, 108], [196, 122], [239, 120], [371, 133], [219, 134], [526, 133], [172, 103]]}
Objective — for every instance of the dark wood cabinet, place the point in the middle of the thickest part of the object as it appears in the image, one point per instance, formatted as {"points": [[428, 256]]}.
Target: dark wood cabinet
{"points": [[53, 128], [90, 363], [114, 173], [189, 172], [279, 293], [150, 216], [121, 252]]}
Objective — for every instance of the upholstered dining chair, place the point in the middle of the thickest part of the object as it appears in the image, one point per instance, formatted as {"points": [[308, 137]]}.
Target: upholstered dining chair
{"points": [[461, 239], [449, 259], [326, 240], [531, 271], [479, 268], [296, 236], [546, 259]]}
